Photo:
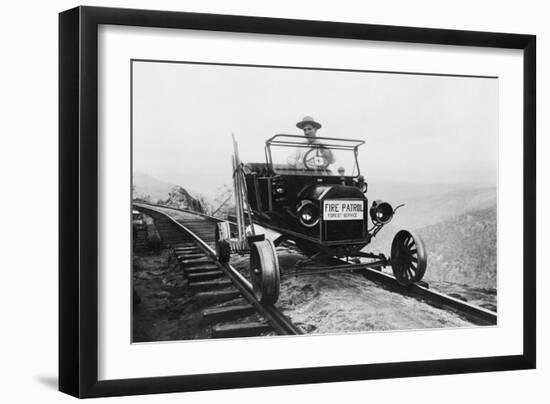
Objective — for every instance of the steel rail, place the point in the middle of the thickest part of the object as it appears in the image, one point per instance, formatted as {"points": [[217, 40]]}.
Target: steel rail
{"points": [[475, 314], [280, 323], [179, 209]]}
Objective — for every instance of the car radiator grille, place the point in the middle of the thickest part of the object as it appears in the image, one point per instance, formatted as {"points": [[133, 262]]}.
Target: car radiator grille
{"points": [[343, 230]]}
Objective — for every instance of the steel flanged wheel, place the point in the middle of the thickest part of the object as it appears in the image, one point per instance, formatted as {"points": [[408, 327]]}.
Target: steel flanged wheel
{"points": [[408, 257], [223, 248], [264, 271]]}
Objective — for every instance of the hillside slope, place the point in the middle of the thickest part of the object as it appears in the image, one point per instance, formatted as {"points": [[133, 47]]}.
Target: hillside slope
{"points": [[181, 199], [430, 204], [426, 205], [463, 249]]}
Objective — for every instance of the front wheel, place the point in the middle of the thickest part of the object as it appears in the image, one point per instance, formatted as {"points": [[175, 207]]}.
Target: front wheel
{"points": [[264, 271], [408, 258]]}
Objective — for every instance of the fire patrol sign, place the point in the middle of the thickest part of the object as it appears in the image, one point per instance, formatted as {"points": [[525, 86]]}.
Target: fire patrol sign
{"points": [[342, 210]]}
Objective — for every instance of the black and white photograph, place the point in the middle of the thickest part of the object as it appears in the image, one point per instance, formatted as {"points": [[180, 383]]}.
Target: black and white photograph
{"points": [[291, 200], [322, 202]]}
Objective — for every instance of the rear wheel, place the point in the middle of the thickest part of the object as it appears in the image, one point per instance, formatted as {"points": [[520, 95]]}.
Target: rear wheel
{"points": [[408, 258], [264, 271]]}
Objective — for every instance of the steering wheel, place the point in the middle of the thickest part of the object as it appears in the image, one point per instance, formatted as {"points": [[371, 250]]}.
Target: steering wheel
{"points": [[314, 159]]}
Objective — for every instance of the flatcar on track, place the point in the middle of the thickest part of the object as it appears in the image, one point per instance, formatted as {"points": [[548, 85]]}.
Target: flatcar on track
{"points": [[312, 194]]}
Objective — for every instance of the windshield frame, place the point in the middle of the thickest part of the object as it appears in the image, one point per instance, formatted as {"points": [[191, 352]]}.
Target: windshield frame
{"points": [[292, 141]]}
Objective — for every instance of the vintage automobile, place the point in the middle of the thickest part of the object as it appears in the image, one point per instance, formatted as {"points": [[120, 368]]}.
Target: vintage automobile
{"points": [[311, 192]]}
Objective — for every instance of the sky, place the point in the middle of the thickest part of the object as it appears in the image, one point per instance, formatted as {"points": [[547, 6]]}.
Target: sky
{"points": [[420, 129]]}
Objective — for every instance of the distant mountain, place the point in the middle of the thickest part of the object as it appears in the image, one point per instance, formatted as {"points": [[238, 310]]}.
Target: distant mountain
{"points": [[429, 204], [144, 185], [426, 205], [463, 249], [400, 192], [457, 224]]}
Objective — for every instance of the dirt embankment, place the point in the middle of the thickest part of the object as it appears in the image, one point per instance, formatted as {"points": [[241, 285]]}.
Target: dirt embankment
{"points": [[347, 302], [166, 310], [319, 304]]}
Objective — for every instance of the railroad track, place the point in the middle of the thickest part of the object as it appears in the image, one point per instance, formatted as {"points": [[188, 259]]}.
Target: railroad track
{"points": [[420, 291], [228, 301]]}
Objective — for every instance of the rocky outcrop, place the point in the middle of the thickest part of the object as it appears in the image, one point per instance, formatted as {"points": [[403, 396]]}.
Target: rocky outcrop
{"points": [[179, 198]]}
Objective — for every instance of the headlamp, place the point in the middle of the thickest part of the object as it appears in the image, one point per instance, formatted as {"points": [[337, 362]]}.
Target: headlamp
{"points": [[308, 213], [381, 212]]}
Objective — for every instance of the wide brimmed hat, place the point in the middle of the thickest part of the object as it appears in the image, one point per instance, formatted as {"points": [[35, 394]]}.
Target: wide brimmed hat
{"points": [[308, 120]]}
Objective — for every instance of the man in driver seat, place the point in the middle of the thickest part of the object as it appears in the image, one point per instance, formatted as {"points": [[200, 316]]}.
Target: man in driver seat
{"points": [[310, 157]]}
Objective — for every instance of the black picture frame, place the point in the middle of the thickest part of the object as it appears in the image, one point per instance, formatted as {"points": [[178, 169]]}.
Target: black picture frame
{"points": [[78, 200]]}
